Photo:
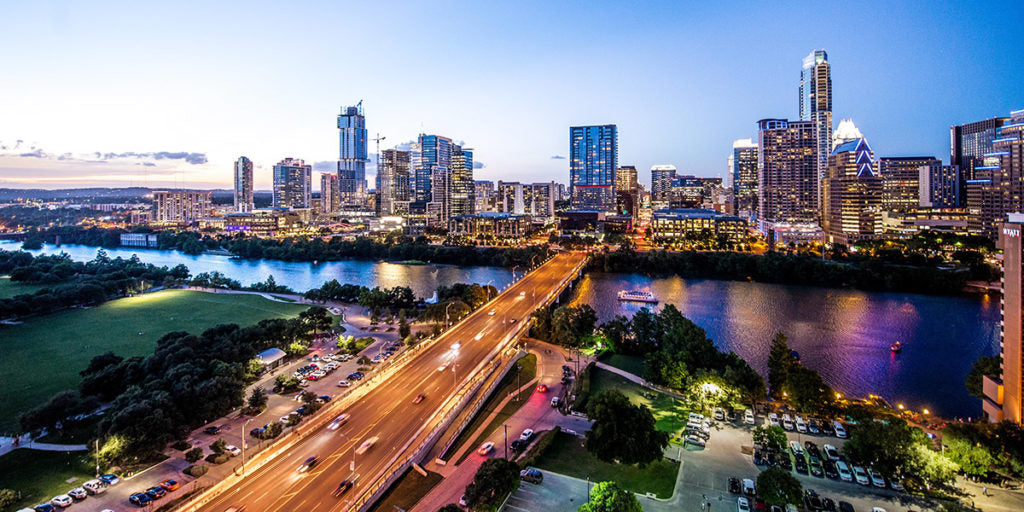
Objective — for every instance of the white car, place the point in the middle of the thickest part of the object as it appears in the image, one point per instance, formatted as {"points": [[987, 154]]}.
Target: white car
{"points": [[748, 487], [62, 501], [694, 440], [877, 479], [748, 417], [831, 452], [742, 505], [696, 416], [344, 383], [787, 422], [800, 425], [490, 313], [526, 435], [861, 476], [844, 471], [840, 430], [895, 484], [796, 448], [339, 421], [233, 450], [485, 448], [773, 419], [95, 487], [366, 445], [77, 493]]}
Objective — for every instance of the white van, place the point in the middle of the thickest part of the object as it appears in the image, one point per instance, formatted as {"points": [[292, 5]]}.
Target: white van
{"points": [[844, 471], [840, 430]]}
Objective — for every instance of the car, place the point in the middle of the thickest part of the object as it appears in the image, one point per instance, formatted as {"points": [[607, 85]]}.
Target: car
{"points": [[800, 425], [366, 445], [94, 487], [826, 429], [233, 450], [827, 504], [44, 507], [532, 475], [759, 458], [896, 485], [773, 419], [257, 432], [877, 509], [787, 422], [796, 448], [140, 499], [785, 462], [308, 463], [812, 426], [839, 429], [485, 448], [831, 452], [315, 358], [211, 430], [518, 445], [77, 493], [542, 388], [337, 422], [313, 377], [742, 504], [555, 402], [829, 466], [323, 399], [522, 294], [109, 479], [286, 417], [814, 466], [694, 440], [812, 501], [844, 471], [734, 485], [490, 313], [812, 450], [355, 376], [419, 398], [170, 485], [719, 414], [861, 476], [748, 487], [344, 383], [845, 506], [748, 417], [877, 479], [342, 488], [526, 435], [156, 492], [800, 464]]}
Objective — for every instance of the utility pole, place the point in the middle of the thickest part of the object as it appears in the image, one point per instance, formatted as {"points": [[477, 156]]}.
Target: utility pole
{"points": [[506, 441], [97, 458]]}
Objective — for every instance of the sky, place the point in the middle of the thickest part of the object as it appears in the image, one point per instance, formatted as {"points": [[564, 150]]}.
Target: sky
{"points": [[170, 94]]}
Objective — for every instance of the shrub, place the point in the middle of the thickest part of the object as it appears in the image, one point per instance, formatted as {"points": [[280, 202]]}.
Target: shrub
{"points": [[181, 445], [194, 454], [197, 470], [218, 458]]}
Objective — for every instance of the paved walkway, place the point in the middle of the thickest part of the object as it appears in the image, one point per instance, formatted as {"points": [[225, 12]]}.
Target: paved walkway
{"points": [[25, 441], [487, 422]]}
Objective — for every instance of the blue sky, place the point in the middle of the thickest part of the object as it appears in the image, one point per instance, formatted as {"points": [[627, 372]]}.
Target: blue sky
{"points": [[202, 84]]}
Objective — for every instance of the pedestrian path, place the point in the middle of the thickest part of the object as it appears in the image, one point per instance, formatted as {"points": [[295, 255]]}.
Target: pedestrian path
{"points": [[9, 444], [487, 422]]}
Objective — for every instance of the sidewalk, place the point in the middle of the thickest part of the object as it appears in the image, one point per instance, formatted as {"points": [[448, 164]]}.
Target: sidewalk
{"points": [[25, 441]]}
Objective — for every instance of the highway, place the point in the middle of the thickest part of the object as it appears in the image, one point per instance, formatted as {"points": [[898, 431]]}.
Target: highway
{"points": [[388, 412]]}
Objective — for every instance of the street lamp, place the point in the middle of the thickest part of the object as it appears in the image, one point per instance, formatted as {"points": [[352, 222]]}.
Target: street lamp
{"points": [[243, 445], [352, 465], [446, 318]]}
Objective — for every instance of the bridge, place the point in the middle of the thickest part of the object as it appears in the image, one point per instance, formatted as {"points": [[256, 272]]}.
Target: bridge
{"points": [[447, 371]]}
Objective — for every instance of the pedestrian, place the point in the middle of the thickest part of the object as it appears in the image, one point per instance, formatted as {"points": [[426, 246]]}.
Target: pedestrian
{"points": [[984, 490]]}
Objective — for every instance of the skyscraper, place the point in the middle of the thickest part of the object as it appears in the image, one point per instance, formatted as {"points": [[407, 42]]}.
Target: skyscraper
{"points": [[816, 103], [352, 156], [626, 179], [968, 142], [901, 181], [1004, 396], [393, 179], [743, 172], [939, 185], [181, 206], [329, 200], [293, 184], [627, 191], [243, 185], [997, 187], [661, 184], [431, 156], [593, 160], [460, 184], [853, 194], [787, 172]]}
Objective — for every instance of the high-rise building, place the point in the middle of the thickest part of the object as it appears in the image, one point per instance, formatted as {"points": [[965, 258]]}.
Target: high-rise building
{"points": [[329, 199], [352, 156], [939, 185], [511, 198], [787, 172], [627, 191], [661, 184], [626, 179], [968, 142], [686, 192], [431, 158], [484, 196], [593, 160], [243, 185], [1004, 396], [816, 103], [543, 200], [393, 183], [460, 184], [853, 194], [743, 173], [293, 184], [181, 206], [901, 181], [997, 187]]}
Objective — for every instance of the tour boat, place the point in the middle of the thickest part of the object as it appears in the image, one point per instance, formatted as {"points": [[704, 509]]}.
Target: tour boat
{"points": [[896, 347], [637, 296]]}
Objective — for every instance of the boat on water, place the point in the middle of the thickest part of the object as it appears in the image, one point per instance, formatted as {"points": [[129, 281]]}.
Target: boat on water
{"points": [[637, 296], [896, 347]]}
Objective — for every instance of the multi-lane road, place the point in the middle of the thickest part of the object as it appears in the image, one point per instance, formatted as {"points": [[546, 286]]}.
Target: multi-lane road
{"points": [[388, 412]]}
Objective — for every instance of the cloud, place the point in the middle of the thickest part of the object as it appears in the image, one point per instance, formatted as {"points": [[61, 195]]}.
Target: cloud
{"points": [[191, 158], [478, 165], [36, 153], [557, 157], [325, 166]]}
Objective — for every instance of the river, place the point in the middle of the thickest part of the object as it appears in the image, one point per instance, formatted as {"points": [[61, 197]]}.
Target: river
{"points": [[844, 334]]}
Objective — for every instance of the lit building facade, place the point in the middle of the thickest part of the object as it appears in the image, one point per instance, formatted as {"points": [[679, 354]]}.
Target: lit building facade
{"points": [[1004, 396], [460, 184], [997, 187], [484, 196], [816, 103], [939, 185], [593, 160], [692, 224], [661, 184], [293, 184], [901, 181], [393, 189], [352, 156], [495, 224], [329, 199], [180, 206], [243, 185], [743, 173], [853, 194], [968, 143], [787, 173]]}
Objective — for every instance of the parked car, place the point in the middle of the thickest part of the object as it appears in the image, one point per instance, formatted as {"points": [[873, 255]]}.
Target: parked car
{"points": [[861, 476], [95, 487], [355, 376], [170, 485], [526, 435], [759, 458], [844, 471], [532, 475], [748, 417], [812, 426], [748, 487], [895, 484], [734, 485], [814, 466], [829, 466], [796, 448], [156, 492], [773, 419], [140, 499], [839, 429], [233, 450], [518, 445], [742, 504], [877, 479], [828, 505], [826, 428], [44, 507], [800, 464], [694, 440], [719, 414], [211, 430], [555, 402], [811, 500], [845, 506], [344, 383], [109, 479], [800, 425], [831, 452], [78, 493]]}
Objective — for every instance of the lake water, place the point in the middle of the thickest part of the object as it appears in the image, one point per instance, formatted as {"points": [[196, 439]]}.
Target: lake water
{"points": [[843, 334]]}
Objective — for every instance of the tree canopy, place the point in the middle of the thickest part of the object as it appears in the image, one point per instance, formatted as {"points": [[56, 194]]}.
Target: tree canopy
{"points": [[622, 431], [494, 480], [610, 497]]}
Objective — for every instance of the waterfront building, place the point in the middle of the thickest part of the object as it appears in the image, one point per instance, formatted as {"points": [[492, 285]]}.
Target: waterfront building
{"points": [[787, 174], [352, 156], [661, 184], [593, 160], [997, 187], [816, 104], [442, 183], [292, 184], [181, 206], [329, 198], [1004, 396], [145, 240], [743, 176], [693, 224], [901, 181], [968, 143], [393, 183], [243, 185], [853, 194], [542, 201], [490, 224], [906, 223]]}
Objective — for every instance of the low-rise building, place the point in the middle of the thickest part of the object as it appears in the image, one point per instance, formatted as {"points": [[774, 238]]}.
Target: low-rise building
{"points": [[147, 240], [675, 224], [497, 224]]}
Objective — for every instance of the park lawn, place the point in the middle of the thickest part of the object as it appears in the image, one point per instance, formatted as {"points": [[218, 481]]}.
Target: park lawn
{"points": [[44, 355], [409, 489], [670, 413], [631, 364], [41, 475], [9, 288], [567, 456]]}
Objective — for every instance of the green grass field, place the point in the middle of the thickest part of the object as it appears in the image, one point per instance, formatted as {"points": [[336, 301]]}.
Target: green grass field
{"points": [[44, 355], [42, 475], [670, 413], [567, 456], [9, 288], [408, 490], [631, 364]]}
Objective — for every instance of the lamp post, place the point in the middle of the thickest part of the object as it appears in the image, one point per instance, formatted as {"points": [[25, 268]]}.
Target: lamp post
{"points": [[446, 318], [352, 465], [243, 445]]}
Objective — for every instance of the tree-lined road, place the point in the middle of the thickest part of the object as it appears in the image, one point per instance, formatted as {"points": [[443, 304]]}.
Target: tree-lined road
{"points": [[388, 412]]}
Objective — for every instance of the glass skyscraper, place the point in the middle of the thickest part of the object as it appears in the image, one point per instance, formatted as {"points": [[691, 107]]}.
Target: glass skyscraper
{"points": [[243, 185], [743, 173], [816, 104], [293, 184], [352, 156], [593, 160]]}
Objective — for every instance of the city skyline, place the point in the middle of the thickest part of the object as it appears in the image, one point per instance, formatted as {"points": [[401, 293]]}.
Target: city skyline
{"points": [[163, 121]]}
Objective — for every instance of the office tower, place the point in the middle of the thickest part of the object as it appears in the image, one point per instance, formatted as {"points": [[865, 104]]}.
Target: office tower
{"points": [[431, 158], [845, 132], [997, 187], [853, 194], [483, 196], [181, 206], [627, 191], [939, 185], [626, 179], [593, 160], [901, 181], [787, 172], [967, 143], [686, 192], [661, 184], [460, 184], [1004, 396], [329, 197], [743, 173], [293, 184], [542, 197], [243, 185], [393, 182], [352, 156], [816, 103], [511, 198]]}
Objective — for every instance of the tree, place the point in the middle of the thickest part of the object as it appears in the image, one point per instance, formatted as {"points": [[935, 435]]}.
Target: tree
{"points": [[193, 455], [973, 458], [622, 431], [780, 359], [807, 390], [571, 324], [770, 438], [610, 497], [931, 467], [8, 498], [403, 325], [887, 447], [778, 487], [494, 480], [257, 399], [219, 446], [985, 365], [451, 507]]}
